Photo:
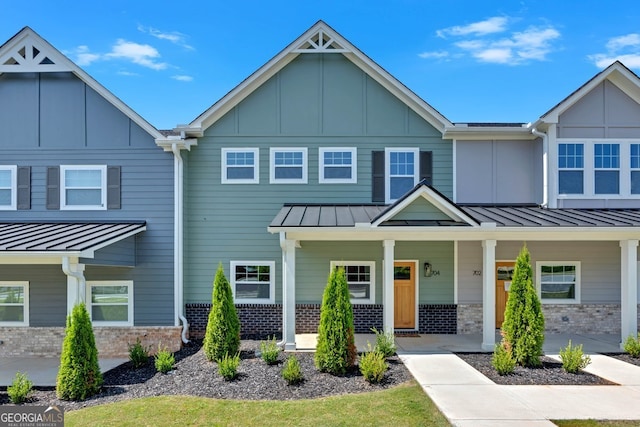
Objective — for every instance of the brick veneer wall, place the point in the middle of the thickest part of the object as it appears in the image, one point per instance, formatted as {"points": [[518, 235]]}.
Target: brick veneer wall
{"points": [[437, 318], [111, 341], [559, 318]]}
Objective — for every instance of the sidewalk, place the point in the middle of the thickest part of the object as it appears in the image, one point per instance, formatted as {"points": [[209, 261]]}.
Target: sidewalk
{"points": [[468, 398]]}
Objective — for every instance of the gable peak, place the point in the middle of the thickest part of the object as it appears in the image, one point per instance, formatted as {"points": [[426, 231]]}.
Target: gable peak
{"points": [[321, 39], [28, 52]]}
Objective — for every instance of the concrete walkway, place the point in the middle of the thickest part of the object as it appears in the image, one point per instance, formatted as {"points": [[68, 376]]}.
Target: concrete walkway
{"points": [[468, 398]]}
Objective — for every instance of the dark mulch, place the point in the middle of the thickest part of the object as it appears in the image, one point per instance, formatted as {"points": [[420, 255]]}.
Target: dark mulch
{"points": [[550, 373], [625, 358], [195, 376]]}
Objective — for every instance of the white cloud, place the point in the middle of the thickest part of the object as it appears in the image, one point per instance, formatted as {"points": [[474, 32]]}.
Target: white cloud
{"points": [[84, 57], [141, 54], [174, 37], [438, 55], [625, 49], [127, 73], [515, 48], [496, 24], [182, 78]]}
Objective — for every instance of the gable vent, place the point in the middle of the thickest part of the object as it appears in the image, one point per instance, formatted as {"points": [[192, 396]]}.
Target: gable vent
{"points": [[28, 55], [320, 42]]}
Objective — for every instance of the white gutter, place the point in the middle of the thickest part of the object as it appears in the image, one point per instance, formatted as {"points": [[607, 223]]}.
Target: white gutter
{"points": [[178, 247], [545, 165], [81, 291]]}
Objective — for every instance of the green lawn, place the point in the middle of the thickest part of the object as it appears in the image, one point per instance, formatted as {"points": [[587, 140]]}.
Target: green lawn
{"points": [[595, 423], [405, 405]]}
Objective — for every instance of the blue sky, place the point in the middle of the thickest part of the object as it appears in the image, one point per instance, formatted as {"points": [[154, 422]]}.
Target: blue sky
{"points": [[474, 61]]}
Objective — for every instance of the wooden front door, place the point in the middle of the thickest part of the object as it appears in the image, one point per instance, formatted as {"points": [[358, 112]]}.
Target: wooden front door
{"points": [[404, 295], [504, 274]]}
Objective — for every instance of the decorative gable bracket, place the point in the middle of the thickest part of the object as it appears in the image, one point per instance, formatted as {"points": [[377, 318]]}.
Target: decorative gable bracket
{"points": [[27, 55], [320, 42]]}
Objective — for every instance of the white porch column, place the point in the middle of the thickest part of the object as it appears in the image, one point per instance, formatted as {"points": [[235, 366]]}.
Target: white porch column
{"points": [[288, 293], [488, 294], [629, 288], [76, 284], [387, 286]]}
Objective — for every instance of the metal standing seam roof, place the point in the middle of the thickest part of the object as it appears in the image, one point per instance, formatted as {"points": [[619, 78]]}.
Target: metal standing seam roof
{"points": [[63, 237], [316, 215]]}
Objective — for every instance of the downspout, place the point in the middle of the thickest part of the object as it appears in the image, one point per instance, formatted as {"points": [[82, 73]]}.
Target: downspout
{"points": [[66, 269], [284, 282], [545, 165], [178, 248]]}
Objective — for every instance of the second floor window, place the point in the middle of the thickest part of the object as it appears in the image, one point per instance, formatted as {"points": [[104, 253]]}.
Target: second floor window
{"points": [[240, 165], [402, 172], [83, 187], [337, 165], [571, 168], [606, 161], [288, 166], [7, 187], [635, 168]]}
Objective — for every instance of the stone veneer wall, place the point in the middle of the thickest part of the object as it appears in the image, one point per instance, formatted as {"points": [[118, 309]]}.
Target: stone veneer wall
{"points": [[259, 321], [559, 318], [111, 341]]}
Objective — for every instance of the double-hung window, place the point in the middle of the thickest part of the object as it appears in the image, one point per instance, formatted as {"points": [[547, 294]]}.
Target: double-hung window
{"points": [[288, 166], [361, 278], [606, 162], [14, 303], [83, 187], [571, 168], [635, 168], [111, 302], [558, 282], [8, 187], [253, 282], [402, 171], [240, 166], [337, 165]]}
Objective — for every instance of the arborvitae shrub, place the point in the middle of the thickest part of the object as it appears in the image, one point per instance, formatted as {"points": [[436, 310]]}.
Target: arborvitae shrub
{"points": [[292, 372], [336, 349], [222, 336], [79, 375], [573, 359], [502, 360], [20, 388], [138, 354], [523, 326]]}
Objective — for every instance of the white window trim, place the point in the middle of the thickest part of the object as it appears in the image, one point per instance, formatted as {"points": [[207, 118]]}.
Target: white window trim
{"points": [[272, 167], [103, 189], [12, 206], [589, 169], [387, 169], [256, 166], [354, 165], [128, 283], [272, 282], [25, 285], [539, 265], [372, 277]]}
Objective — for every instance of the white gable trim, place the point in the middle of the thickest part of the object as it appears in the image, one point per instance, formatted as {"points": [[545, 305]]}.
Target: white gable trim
{"points": [[616, 73], [320, 38], [432, 197], [20, 48]]}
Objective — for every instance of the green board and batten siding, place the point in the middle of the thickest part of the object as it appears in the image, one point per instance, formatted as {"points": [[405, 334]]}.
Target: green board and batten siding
{"points": [[318, 100]]}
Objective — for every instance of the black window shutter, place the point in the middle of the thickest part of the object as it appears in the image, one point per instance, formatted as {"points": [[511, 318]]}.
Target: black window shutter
{"points": [[53, 187], [113, 187], [426, 167], [24, 187], [377, 176]]}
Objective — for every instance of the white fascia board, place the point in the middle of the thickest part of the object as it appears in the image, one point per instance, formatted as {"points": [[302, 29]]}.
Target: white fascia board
{"points": [[166, 143], [488, 133], [557, 234]]}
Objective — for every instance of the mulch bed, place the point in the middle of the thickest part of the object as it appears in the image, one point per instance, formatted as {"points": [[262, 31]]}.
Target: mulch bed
{"points": [[550, 373], [625, 358], [195, 376]]}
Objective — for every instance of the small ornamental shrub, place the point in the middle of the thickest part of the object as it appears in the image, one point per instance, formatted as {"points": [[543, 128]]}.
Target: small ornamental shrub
{"points": [[79, 375], [502, 359], [336, 349], [292, 372], [164, 360], [20, 388], [373, 366], [523, 326], [632, 346], [222, 336], [269, 351], [385, 343], [138, 354], [573, 359], [228, 366]]}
